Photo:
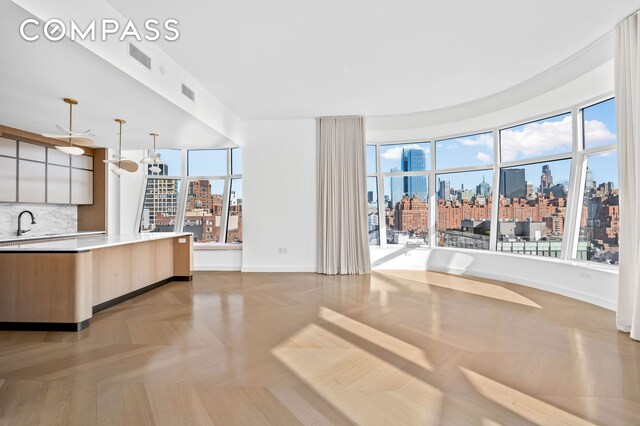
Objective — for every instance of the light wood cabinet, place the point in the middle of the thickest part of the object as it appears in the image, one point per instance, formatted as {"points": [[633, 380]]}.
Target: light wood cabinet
{"points": [[31, 182], [58, 184], [8, 174], [81, 186]]}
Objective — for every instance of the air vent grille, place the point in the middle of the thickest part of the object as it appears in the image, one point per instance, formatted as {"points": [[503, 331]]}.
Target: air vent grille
{"points": [[139, 56], [188, 93]]}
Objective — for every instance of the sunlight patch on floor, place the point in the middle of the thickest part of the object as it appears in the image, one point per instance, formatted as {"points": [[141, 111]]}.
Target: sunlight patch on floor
{"points": [[530, 408]]}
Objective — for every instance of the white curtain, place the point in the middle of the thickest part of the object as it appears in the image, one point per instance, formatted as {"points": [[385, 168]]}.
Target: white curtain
{"points": [[627, 69], [343, 245]]}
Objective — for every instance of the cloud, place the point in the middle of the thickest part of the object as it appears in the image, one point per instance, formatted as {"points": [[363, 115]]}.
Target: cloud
{"points": [[485, 139], [483, 158], [535, 139], [395, 153], [596, 133]]}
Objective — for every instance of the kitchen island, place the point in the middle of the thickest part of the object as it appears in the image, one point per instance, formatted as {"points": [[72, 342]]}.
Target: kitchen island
{"points": [[59, 285]]}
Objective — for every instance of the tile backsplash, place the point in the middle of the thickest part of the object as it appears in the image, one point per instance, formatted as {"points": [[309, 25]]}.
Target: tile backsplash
{"points": [[50, 219]]}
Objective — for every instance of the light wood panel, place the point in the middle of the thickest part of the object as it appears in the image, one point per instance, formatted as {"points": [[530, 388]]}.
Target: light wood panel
{"points": [[401, 347], [183, 256], [94, 217], [122, 269], [45, 287]]}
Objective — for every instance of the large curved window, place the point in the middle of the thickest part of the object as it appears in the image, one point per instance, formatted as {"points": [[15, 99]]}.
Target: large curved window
{"points": [[545, 190]]}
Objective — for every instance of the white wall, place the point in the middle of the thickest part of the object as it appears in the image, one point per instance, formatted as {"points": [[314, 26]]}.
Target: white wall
{"points": [[279, 204], [592, 283], [219, 259]]}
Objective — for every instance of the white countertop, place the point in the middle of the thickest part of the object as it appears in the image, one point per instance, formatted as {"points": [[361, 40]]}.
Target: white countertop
{"points": [[89, 243]]}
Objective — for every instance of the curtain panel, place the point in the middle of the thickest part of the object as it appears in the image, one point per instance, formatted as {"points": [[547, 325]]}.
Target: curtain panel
{"points": [[627, 84], [343, 245]]}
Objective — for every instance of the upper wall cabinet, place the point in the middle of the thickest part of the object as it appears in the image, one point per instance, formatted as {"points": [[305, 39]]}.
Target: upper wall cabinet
{"points": [[31, 173], [31, 182], [8, 181], [8, 147]]}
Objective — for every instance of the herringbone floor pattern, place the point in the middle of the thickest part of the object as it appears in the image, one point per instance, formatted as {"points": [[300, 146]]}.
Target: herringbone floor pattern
{"points": [[401, 347]]}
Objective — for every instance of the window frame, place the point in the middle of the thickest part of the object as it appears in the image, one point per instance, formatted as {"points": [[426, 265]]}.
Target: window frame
{"points": [[578, 156], [184, 179]]}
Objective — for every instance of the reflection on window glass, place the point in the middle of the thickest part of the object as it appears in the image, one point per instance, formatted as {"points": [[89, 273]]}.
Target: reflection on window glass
{"points": [[207, 162], [549, 136], [160, 205], [464, 209], [170, 162], [203, 209], [234, 227], [371, 159], [372, 208], [533, 207], [236, 161], [475, 150], [599, 124], [406, 201], [600, 219], [411, 157]]}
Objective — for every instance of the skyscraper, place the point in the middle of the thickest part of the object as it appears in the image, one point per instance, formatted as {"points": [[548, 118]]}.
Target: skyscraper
{"points": [[483, 189], [546, 180], [513, 183], [414, 160], [397, 187], [444, 190]]}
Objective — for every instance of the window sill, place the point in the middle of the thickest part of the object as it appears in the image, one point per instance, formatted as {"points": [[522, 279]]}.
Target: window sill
{"points": [[216, 246]]}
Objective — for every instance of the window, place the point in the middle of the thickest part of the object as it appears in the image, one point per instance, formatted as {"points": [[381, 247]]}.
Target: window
{"points": [[170, 163], [210, 203], [404, 173], [545, 137], [413, 157], [600, 215], [599, 124], [532, 209], [160, 205], [207, 162], [520, 200], [236, 161], [407, 209], [599, 225], [464, 209], [373, 220], [234, 227], [371, 159], [476, 150], [203, 209]]}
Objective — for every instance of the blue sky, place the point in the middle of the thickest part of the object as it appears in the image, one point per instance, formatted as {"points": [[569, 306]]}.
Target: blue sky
{"points": [[206, 162], [469, 179], [527, 141]]}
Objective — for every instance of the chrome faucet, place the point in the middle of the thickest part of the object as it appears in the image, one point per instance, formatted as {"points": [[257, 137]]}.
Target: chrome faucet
{"points": [[33, 222]]}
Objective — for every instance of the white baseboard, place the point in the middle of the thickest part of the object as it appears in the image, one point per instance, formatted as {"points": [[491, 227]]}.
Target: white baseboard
{"points": [[589, 298], [279, 269], [204, 268]]}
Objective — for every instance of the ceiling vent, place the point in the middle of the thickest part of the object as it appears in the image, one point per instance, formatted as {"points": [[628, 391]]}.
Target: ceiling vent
{"points": [[188, 93], [139, 56]]}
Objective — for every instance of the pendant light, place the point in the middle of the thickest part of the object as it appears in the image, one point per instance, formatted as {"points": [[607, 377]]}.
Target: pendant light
{"points": [[153, 159], [81, 139], [122, 165], [153, 155]]}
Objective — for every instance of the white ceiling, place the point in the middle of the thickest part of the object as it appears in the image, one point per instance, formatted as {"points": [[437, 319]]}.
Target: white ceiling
{"points": [[292, 59], [36, 76]]}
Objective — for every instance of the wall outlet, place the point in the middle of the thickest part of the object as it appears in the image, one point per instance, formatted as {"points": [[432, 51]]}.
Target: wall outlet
{"points": [[282, 250], [585, 275]]}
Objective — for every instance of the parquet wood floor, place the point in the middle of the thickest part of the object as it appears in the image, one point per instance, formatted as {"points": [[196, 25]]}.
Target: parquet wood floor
{"points": [[395, 347]]}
